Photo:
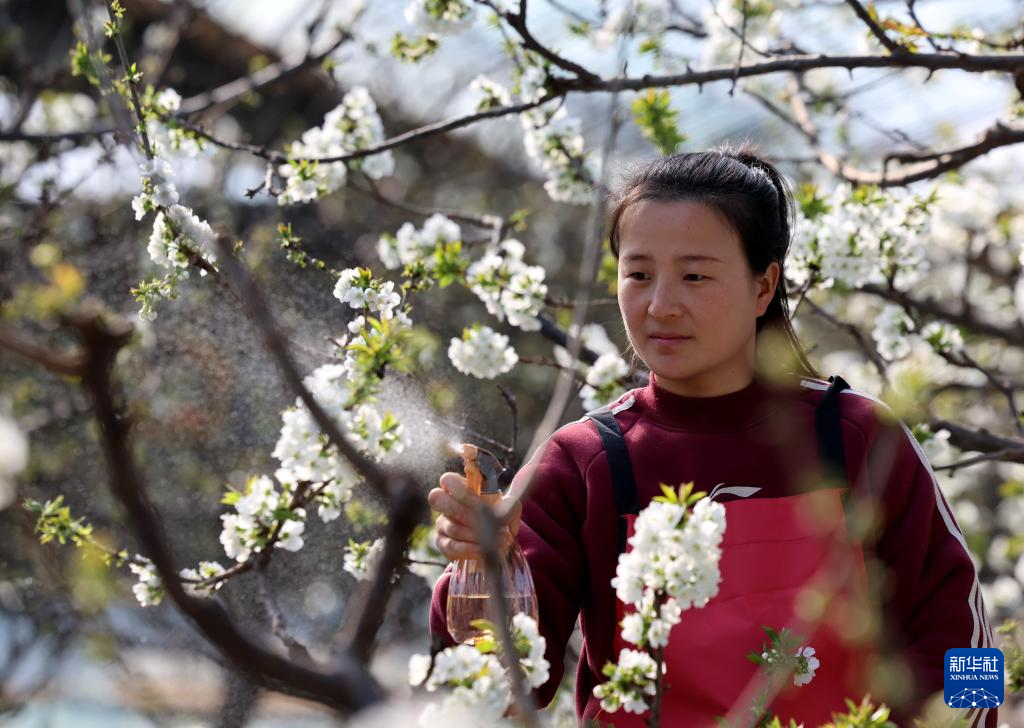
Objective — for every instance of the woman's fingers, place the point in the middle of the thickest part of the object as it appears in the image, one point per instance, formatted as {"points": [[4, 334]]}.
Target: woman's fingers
{"points": [[455, 485], [457, 540], [456, 533], [455, 530], [454, 550], [446, 505]]}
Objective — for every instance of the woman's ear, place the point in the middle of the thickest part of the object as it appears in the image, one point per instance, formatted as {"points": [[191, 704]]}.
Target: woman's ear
{"points": [[766, 283]]}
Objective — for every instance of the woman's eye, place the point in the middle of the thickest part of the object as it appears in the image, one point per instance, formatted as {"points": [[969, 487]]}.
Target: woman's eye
{"points": [[637, 275], [702, 277]]}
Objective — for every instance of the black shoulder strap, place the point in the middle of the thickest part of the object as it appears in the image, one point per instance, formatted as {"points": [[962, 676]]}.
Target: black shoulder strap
{"points": [[830, 433], [623, 481]]}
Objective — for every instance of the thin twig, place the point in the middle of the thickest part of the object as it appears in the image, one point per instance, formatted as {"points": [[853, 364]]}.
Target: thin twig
{"points": [[487, 525], [876, 30], [994, 455]]}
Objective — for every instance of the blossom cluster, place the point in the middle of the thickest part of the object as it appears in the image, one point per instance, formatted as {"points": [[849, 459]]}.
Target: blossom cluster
{"points": [[555, 142], [149, 589], [482, 352], [165, 137], [631, 681], [178, 234], [778, 656], [440, 16], [892, 325], [672, 565], [305, 455], [862, 236], [260, 510], [475, 677], [359, 289], [353, 124], [604, 377], [493, 94], [361, 557], [552, 138], [604, 381], [192, 578], [675, 552], [509, 288], [410, 246]]}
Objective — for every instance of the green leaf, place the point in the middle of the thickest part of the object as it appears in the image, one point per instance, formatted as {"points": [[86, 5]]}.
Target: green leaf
{"points": [[484, 625], [657, 121], [413, 50]]}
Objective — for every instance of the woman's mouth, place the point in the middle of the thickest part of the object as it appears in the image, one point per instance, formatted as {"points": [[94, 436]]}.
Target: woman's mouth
{"points": [[668, 339]]}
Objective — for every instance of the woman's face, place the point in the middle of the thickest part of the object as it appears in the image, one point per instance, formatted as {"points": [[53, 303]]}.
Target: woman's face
{"points": [[688, 297]]}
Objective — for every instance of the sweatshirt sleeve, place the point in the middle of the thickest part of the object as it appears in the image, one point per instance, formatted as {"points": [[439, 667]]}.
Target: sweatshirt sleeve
{"points": [[550, 535], [931, 601]]}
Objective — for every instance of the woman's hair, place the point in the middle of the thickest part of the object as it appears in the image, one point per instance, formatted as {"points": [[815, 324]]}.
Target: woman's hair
{"points": [[748, 192]]}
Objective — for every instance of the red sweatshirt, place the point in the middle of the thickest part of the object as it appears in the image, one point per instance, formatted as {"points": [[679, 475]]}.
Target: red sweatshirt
{"points": [[763, 436]]}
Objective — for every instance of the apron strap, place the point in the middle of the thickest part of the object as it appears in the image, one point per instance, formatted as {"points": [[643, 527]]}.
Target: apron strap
{"points": [[827, 426], [623, 480], [830, 432]]}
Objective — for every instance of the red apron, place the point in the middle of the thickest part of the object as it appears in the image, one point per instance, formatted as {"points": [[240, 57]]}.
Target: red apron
{"points": [[786, 562]]}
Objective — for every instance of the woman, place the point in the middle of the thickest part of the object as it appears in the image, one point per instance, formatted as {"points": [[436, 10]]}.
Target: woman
{"points": [[835, 526]]}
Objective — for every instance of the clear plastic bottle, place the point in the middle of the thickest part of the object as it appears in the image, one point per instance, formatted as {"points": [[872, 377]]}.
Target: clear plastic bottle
{"points": [[468, 599]]}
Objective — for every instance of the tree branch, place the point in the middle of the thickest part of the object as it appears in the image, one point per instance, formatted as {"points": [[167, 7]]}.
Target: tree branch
{"points": [[406, 504], [981, 440], [68, 365], [346, 687]]}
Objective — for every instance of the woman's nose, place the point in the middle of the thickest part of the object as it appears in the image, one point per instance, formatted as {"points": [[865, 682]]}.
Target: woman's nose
{"points": [[664, 303]]}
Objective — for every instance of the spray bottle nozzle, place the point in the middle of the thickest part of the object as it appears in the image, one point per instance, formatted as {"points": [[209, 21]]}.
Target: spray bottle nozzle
{"points": [[482, 468]]}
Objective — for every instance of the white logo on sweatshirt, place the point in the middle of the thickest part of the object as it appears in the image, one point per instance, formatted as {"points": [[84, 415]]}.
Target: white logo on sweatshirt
{"points": [[743, 491]]}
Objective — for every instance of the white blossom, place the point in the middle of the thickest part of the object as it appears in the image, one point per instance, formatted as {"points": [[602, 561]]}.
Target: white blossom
{"points": [[535, 667], [360, 290], [508, 287], [493, 94], [439, 16], [13, 457], [479, 688], [257, 512], [482, 353], [890, 333], [804, 674], [149, 589], [301, 448], [862, 239], [361, 559], [477, 682], [630, 685], [168, 101], [672, 565], [206, 570], [352, 125], [410, 246], [555, 143], [943, 337], [59, 113], [603, 381], [176, 233]]}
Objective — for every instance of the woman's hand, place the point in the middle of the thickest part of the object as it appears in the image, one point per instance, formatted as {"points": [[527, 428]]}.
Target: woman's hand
{"points": [[456, 535]]}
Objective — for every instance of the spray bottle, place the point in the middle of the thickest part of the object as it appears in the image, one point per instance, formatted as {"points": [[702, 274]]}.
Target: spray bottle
{"points": [[468, 599]]}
